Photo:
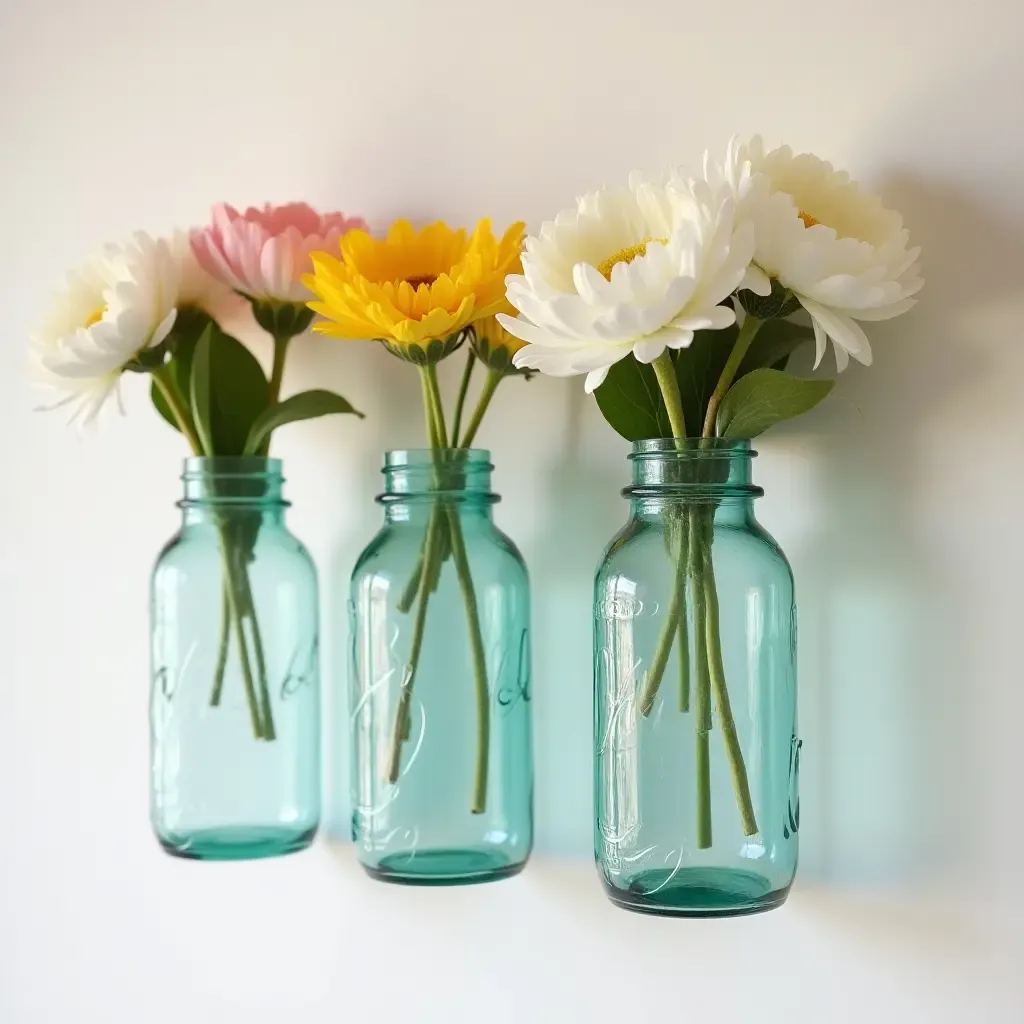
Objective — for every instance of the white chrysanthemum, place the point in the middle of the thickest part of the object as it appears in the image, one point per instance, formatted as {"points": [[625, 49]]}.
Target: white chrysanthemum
{"points": [[841, 253], [123, 301], [629, 270]]}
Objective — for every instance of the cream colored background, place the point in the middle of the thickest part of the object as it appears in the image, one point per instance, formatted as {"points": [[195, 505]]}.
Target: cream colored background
{"points": [[898, 502]]}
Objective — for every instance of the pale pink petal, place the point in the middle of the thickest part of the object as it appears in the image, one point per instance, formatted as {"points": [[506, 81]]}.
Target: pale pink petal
{"points": [[265, 251], [271, 264], [209, 252]]}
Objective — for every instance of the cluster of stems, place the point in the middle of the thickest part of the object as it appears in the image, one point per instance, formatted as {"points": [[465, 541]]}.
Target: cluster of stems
{"points": [[236, 539], [690, 535], [443, 540]]}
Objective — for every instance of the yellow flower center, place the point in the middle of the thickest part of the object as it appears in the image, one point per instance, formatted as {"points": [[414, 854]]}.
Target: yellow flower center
{"points": [[96, 317], [808, 220], [415, 282], [627, 255]]}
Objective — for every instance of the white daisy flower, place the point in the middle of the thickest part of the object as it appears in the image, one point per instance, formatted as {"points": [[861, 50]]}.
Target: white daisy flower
{"points": [[843, 255], [629, 270], [122, 302]]}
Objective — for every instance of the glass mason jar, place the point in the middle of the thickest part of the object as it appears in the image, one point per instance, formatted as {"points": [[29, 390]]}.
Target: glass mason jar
{"points": [[442, 776], [696, 749], [235, 700]]}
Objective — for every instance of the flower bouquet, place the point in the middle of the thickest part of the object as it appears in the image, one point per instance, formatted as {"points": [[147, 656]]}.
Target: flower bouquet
{"points": [[151, 307], [424, 295], [697, 281]]}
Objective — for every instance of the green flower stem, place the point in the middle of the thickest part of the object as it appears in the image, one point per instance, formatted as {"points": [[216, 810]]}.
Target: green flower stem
{"points": [[281, 343], [165, 382], [486, 394], [237, 592], [231, 604], [665, 371], [463, 389], [423, 580], [402, 722], [462, 569], [733, 751], [669, 628], [702, 686], [683, 656], [432, 395], [682, 637], [232, 591], [412, 588], [704, 568], [746, 335], [675, 618], [483, 697], [269, 732]]}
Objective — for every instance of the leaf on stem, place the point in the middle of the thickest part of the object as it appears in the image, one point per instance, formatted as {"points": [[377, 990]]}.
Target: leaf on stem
{"points": [[765, 397], [228, 391], [630, 400], [306, 405], [239, 393]]}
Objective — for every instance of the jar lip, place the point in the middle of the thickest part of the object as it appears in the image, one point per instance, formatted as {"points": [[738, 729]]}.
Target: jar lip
{"points": [[423, 458], [693, 448], [437, 474], [693, 493], [232, 466]]}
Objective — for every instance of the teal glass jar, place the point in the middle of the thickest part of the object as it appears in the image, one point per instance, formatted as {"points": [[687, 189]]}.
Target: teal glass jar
{"points": [[442, 775], [234, 701], [696, 747]]}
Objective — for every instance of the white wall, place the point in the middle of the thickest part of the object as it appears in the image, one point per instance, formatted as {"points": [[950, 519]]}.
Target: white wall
{"points": [[898, 503]]}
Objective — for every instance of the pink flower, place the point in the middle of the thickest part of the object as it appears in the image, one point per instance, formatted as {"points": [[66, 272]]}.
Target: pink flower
{"points": [[264, 253]]}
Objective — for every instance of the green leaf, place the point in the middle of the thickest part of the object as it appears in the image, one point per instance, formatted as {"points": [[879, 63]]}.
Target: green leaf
{"points": [[306, 405], [774, 343], [228, 389], [202, 411], [765, 397], [631, 402], [239, 393]]}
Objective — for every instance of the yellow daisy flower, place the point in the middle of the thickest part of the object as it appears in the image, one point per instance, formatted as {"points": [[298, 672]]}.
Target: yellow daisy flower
{"points": [[415, 291]]}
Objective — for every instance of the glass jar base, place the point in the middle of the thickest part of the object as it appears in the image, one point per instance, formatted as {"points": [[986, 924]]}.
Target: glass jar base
{"points": [[236, 843], [698, 892], [444, 867]]}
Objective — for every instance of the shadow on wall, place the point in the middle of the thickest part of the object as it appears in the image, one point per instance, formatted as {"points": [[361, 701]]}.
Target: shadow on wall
{"points": [[584, 512], [893, 749]]}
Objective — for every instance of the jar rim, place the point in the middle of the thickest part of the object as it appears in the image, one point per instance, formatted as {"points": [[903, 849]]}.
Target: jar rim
{"points": [[432, 474], [235, 466], [417, 458], [693, 448]]}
